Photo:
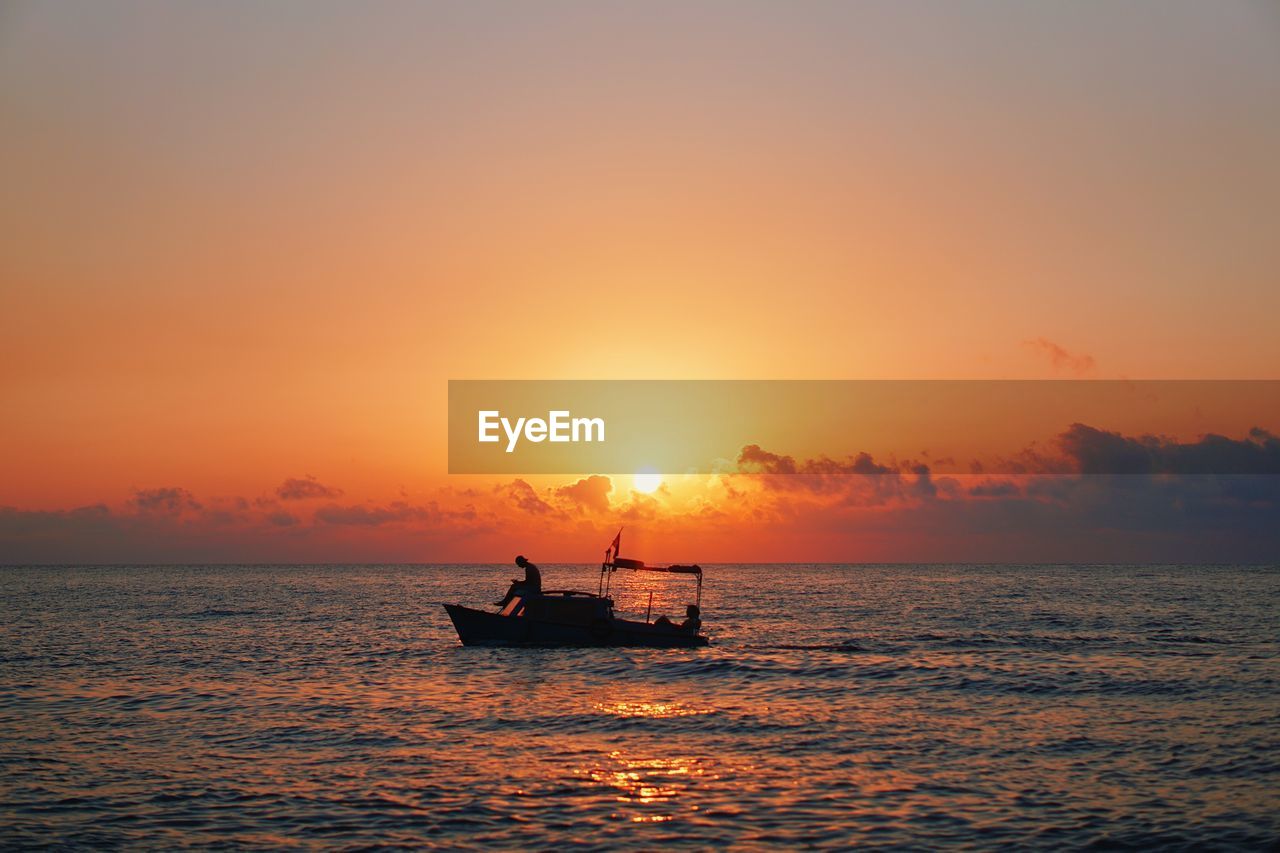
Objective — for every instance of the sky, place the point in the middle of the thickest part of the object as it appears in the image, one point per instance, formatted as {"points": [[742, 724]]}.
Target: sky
{"points": [[245, 245]]}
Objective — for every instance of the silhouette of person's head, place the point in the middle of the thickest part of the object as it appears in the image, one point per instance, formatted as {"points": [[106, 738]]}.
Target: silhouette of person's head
{"points": [[692, 611], [520, 561]]}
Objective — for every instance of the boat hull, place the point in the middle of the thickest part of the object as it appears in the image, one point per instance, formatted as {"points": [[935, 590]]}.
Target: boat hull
{"points": [[483, 628]]}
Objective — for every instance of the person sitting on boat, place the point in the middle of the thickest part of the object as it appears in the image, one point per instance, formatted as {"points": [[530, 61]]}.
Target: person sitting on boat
{"points": [[532, 582], [691, 623], [531, 585]]}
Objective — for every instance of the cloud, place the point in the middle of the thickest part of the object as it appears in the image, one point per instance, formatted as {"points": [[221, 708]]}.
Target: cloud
{"points": [[1089, 494], [1054, 518], [295, 489], [526, 498], [640, 508], [170, 526], [923, 486], [994, 489], [169, 500], [1095, 451], [1061, 360], [858, 479], [428, 515], [590, 494], [754, 459], [16, 523], [372, 516]]}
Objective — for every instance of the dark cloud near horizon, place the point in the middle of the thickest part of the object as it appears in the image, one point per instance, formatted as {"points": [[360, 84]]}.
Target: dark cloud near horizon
{"points": [[96, 535], [1084, 519], [1096, 451], [39, 522], [759, 461], [1081, 450], [860, 479], [169, 499], [1125, 498], [994, 489], [306, 488], [396, 512], [1145, 497]]}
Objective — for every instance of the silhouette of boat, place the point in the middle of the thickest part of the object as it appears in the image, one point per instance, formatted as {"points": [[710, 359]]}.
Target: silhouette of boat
{"points": [[575, 618]]}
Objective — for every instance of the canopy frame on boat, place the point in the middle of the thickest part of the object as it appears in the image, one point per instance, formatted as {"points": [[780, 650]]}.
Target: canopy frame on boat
{"points": [[612, 562]]}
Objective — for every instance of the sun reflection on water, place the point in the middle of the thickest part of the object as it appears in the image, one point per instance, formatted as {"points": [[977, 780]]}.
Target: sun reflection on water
{"points": [[649, 785], [652, 710], [655, 784]]}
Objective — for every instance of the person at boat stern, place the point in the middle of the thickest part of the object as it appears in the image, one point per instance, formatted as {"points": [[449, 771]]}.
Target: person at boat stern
{"points": [[692, 622]]}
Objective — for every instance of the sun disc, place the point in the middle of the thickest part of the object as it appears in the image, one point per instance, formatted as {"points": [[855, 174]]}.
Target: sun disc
{"points": [[647, 480]]}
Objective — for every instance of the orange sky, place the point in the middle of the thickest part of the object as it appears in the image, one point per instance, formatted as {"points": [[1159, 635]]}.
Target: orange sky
{"points": [[240, 244]]}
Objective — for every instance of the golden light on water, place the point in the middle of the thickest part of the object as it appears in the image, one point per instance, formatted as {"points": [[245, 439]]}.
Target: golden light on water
{"points": [[652, 710], [658, 782], [652, 788]]}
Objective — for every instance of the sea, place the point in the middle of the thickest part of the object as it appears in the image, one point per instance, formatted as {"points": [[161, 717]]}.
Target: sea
{"points": [[911, 706]]}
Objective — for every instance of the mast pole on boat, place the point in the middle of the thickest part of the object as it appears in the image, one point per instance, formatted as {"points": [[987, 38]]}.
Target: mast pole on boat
{"points": [[607, 567]]}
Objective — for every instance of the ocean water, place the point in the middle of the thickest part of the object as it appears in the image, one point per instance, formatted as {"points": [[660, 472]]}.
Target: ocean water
{"points": [[332, 706]]}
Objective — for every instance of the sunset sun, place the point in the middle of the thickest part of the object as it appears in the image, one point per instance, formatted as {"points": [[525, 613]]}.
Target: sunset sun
{"points": [[647, 480]]}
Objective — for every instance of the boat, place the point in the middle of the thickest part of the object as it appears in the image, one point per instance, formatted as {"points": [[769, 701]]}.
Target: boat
{"points": [[575, 618]]}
